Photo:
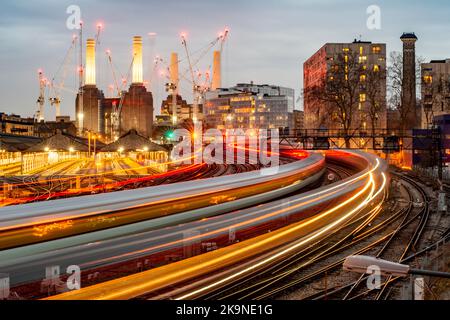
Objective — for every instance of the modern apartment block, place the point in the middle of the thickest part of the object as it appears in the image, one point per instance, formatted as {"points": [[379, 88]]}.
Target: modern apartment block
{"points": [[318, 70], [250, 106]]}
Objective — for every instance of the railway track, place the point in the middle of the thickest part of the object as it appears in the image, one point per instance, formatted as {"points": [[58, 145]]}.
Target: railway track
{"points": [[314, 262], [390, 242], [254, 284]]}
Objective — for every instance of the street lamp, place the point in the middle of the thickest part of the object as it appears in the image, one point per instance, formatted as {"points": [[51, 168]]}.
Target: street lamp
{"points": [[364, 264]]}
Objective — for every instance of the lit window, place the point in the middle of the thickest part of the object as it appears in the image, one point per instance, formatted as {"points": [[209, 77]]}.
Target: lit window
{"points": [[361, 50], [376, 68], [428, 79], [346, 49], [376, 49], [362, 97], [362, 78], [362, 59]]}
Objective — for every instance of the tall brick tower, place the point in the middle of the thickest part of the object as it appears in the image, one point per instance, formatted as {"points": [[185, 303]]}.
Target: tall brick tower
{"points": [[409, 80], [88, 113], [137, 108]]}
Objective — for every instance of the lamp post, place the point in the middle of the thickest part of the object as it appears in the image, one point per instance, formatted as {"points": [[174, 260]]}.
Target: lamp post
{"points": [[89, 144], [362, 264], [95, 143]]}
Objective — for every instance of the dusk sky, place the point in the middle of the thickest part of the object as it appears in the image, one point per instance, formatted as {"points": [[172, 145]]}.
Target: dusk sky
{"points": [[268, 41]]}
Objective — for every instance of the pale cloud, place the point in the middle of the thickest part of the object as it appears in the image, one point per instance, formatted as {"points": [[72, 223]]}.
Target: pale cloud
{"points": [[268, 43]]}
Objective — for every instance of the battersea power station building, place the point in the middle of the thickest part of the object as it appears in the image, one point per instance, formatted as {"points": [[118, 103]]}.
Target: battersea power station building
{"points": [[113, 117]]}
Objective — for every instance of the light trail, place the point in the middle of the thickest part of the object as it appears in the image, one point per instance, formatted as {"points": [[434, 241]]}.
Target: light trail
{"points": [[311, 228], [112, 172], [301, 243], [106, 186], [16, 232]]}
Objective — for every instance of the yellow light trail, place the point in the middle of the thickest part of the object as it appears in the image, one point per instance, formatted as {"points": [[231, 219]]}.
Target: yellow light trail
{"points": [[298, 244], [106, 172], [148, 281]]}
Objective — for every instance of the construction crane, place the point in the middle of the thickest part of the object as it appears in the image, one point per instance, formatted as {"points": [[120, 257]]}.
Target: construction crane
{"points": [[41, 99], [113, 71], [223, 36], [97, 36], [55, 98], [117, 109], [197, 89], [152, 40], [194, 83], [202, 52], [80, 114]]}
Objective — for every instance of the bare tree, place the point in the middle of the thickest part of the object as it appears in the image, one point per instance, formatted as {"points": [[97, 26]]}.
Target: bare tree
{"points": [[395, 85], [338, 94], [376, 97]]}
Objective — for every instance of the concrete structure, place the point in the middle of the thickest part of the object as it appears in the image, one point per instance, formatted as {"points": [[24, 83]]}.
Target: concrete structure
{"points": [[184, 111], [94, 111], [317, 70], [409, 80], [299, 120], [393, 121], [90, 62], [137, 60], [15, 143], [443, 122], [173, 69], [137, 110], [14, 124], [61, 142], [45, 129], [217, 71], [435, 90], [249, 106], [88, 101]]}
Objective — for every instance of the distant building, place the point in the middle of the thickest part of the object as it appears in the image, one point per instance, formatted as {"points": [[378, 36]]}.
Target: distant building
{"points": [[14, 124], [134, 107], [435, 90], [184, 111], [45, 129], [443, 122], [319, 114], [250, 106], [299, 120], [180, 105]]}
